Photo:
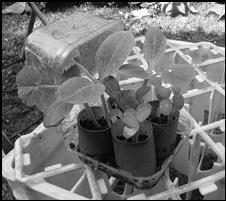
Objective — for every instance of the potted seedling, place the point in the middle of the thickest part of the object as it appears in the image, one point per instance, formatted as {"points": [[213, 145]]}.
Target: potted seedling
{"points": [[132, 134], [94, 127], [166, 102]]}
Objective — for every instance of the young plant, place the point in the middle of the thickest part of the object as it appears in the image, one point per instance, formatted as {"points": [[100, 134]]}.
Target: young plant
{"points": [[177, 75], [77, 90], [127, 106]]}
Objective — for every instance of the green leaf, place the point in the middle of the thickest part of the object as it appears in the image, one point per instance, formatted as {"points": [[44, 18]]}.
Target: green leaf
{"points": [[115, 114], [78, 90], [142, 91], [127, 100], [179, 75], [131, 110], [129, 132], [154, 47], [33, 95], [133, 70], [181, 8], [191, 8], [155, 81], [129, 119], [112, 87], [56, 113], [165, 107], [28, 76], [143, 111], [113, 52], [169, 8], [31, 91]]}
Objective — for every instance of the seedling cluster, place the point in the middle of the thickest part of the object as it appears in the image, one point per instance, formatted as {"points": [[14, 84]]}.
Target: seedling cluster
{"points": [[126, 105]]}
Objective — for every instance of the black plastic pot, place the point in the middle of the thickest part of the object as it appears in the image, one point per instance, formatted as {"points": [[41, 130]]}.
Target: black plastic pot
{"points": [[165, 135], [137, 158], [94, 143]]}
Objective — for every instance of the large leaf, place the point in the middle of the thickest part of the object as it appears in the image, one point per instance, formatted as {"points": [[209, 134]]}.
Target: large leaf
{"points": [[112, 87], [133, 70], [113, 52], [28, 76], [179, 75], [31, 92], [34, 95], [56, 113], [78, 90], [154, 47]]}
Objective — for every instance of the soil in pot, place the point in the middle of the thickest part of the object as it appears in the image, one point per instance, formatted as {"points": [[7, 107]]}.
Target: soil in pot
{"points": [[137, 158], [165, 133], [88, 124], [92, 141]]}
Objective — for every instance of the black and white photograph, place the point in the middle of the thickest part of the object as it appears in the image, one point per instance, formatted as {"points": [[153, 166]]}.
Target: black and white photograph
{"points": [[113, 100]]}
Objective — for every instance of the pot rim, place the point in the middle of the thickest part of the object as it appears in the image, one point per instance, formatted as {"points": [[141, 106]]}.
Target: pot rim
{"points": [[88, 130], [177, 116], [124, 142]]}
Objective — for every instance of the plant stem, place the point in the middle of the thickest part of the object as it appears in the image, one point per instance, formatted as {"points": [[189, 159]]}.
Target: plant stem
{"points": [[136, 137], [85, 71], [89, 111], [48, 86], [105, 110], [102, 96], [145, 82]]}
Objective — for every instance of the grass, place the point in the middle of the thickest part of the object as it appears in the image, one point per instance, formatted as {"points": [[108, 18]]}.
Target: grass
{"points": [[16, 117]]}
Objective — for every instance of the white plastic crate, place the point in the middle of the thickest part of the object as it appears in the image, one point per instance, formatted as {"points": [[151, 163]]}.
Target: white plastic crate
{"points": [[41, 168]]}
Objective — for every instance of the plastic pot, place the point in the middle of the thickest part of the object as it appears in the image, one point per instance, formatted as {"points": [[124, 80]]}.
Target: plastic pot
{"points": [[137, 158], [96, 143], [164, 134]]}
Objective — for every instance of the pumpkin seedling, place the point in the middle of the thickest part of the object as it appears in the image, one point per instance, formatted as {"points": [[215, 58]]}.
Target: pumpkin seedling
{"points": [[127, 105]]}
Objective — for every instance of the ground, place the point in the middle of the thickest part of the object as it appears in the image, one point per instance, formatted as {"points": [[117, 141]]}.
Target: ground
{"points": [[18, 119]]}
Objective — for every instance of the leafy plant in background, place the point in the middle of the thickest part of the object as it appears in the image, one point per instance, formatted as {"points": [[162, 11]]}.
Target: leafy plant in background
{"points": [[169, 8], [176, 8], [77, 90]]}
